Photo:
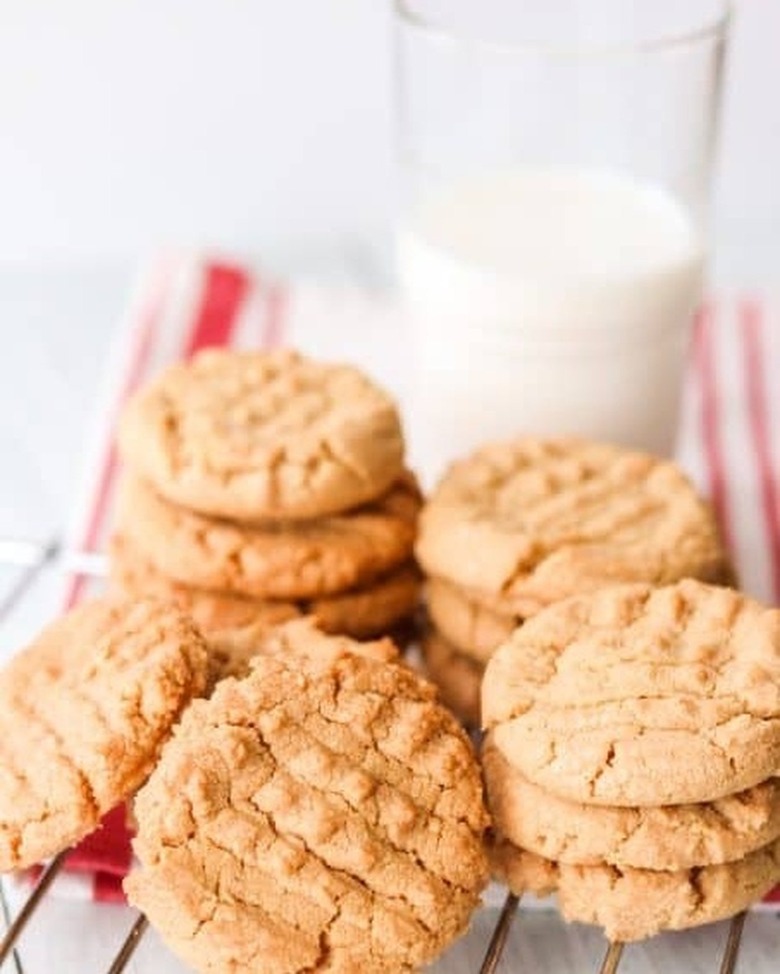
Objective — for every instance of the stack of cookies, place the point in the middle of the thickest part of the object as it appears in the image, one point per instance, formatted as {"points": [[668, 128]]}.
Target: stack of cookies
{"points": [[631, 756], [263, 486], [520, 525]]}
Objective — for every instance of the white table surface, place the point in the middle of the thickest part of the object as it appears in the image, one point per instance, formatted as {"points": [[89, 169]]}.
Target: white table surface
{"points": [[56, 327]]}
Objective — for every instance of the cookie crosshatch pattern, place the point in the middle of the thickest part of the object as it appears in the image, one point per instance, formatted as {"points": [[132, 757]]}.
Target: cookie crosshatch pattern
{"points": [[326, 808], [84, 711], [520, 524], [269, 435], [680, 682]]}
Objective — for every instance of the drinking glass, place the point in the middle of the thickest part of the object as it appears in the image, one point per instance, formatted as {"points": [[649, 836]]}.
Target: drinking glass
{"points": [[553, 232]]}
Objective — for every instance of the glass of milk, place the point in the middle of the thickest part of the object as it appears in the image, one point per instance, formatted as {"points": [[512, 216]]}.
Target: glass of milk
{"points": [[552, 241]]}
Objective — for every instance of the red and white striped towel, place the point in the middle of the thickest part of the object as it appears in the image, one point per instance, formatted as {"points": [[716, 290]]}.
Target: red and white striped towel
{"points": [[729, 440]]}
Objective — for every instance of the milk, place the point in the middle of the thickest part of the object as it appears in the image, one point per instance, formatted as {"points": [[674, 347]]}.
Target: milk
{"points": [[548, 301]]}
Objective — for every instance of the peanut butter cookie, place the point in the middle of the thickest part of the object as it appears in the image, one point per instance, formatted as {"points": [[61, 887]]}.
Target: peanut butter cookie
{"points": [[258, 435], [631, 904], [324, 813], [470, 627], [670, 837], [457, 676], [362, 613], [530, 522], [355, 614], [641, 696], [84, 711], [290, 560]]}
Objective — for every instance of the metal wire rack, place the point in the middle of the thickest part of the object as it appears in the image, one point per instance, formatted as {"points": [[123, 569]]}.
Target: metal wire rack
{"points": [[30, 558]]}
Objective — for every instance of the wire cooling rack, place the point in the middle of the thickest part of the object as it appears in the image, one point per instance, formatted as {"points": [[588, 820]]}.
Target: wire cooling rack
{"points": [[29, 559]]}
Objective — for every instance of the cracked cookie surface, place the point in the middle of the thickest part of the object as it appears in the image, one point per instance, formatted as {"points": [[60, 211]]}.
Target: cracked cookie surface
{"points": [[256, 435], [641, 696], [528, 522], [670, 837], [284, 560], [631, 904], [324, 813], [84, 710]]}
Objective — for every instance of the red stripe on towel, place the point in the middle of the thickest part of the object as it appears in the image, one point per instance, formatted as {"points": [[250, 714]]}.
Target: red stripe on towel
{"points": [[224, 291]]}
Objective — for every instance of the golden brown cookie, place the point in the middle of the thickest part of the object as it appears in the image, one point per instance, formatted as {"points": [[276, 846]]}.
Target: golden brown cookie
{"points": [[290, 561], [363, 613], [258, 435], [668, 837], [497, 605], [231, 651], [472, 628], [631, 904], [303, 637], [371, 611], [324, 813], [529, 522], [84, 711], [641, 696], [457, 676], [132, 574], [519, 870]]}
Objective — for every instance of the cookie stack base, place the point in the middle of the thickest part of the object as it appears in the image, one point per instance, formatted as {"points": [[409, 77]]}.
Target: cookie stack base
{"points": [[631, 904], [634, 871]]}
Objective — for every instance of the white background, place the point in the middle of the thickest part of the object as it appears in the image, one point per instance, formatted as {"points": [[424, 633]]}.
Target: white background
{"points": [[253, 124]]}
